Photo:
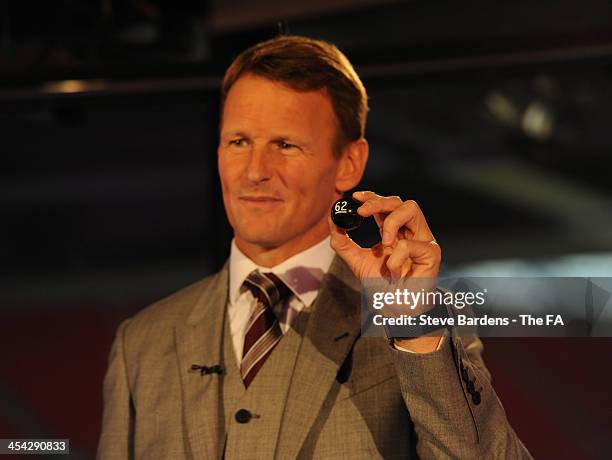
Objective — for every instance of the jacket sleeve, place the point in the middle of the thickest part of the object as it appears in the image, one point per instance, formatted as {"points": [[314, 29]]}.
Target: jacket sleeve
{"points": [[117, 437], [455, 410]]}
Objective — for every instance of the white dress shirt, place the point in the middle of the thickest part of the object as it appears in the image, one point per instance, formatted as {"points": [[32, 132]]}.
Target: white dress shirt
{"points": [[302, 273]]}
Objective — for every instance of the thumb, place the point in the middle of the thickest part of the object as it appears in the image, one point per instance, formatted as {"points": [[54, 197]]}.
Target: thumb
{"points": [[345, 247]]}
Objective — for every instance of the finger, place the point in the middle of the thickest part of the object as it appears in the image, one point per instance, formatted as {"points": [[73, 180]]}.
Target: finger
{"points": [[392, 214], [375, 204], [345, 247], [410, 216], [402, 270], [419, 259], [364, 195]]}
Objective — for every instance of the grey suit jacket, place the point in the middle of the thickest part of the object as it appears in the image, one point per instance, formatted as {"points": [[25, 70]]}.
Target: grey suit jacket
{"points": [[349, 396]]}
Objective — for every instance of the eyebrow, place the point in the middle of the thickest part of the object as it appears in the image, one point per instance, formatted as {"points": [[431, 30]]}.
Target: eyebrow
{"points": [[234, 134], [291, 139], [277, 138]]}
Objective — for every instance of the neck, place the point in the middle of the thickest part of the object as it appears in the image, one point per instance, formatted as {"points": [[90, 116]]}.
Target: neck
{"points": [[271, 256]]}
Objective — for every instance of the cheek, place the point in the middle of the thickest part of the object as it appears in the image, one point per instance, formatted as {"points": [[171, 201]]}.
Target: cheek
{"points": [[225, 177], [315, 188], [326, 181], [227, 173]]}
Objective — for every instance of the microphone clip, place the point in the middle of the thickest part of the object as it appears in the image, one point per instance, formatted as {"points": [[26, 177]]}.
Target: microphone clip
{"points": [[205, 370]]}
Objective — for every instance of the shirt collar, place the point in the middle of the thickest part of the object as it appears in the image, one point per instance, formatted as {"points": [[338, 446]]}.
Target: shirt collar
{"points": [[302, 273]]}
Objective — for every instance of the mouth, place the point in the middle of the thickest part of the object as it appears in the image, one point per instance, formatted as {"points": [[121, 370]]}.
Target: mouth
{"points": [[259, 200]]}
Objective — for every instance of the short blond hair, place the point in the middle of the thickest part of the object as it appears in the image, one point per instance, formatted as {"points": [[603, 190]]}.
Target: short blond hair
{"points": [[306, 64]]}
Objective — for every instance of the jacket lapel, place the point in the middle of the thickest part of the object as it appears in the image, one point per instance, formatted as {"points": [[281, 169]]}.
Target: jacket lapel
{"points": [[198, 341], [331, 332]]}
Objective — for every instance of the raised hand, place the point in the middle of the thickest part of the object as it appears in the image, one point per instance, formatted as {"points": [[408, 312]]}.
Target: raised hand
{"points": [[407, 248]]}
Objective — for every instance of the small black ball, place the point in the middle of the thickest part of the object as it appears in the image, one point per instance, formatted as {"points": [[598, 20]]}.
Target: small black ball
{"points": [[344, 213]]}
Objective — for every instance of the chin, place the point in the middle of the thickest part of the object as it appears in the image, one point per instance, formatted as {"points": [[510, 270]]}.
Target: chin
{"points": [[265, 238]]}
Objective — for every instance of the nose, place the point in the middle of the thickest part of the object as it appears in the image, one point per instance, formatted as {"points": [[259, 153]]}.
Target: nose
{"points": [[258, 167]]}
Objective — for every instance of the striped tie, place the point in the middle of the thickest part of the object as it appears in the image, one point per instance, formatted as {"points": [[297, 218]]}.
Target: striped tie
{"points": [[263, 331]]}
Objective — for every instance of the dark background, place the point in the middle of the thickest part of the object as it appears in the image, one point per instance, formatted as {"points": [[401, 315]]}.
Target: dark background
{"points": [[495, 116]]}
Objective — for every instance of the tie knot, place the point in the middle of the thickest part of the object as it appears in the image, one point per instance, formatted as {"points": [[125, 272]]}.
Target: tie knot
{"points": [[267, 288]]}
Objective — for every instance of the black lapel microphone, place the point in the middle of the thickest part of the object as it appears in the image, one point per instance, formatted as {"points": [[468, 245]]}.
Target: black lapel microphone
{"points": [[205, 370]]}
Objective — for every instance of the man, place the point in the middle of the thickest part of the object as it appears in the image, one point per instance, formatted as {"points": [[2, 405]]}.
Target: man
{"points": [[265, 358]]}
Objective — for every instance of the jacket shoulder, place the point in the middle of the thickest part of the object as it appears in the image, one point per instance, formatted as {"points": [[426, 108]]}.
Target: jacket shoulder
{"points": [[169, 311]]}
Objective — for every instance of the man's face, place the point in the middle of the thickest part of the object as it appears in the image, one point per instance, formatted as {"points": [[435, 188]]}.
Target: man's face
{"points": [[277, 169]]}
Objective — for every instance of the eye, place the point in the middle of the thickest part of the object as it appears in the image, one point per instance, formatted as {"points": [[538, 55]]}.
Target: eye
{"points": [[240, 142], [286, 145]]}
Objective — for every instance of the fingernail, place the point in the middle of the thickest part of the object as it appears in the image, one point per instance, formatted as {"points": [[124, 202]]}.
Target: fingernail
{"points": [[386, 240]]}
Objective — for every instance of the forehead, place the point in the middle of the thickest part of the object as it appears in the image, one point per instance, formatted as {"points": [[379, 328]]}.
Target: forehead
{"points": [[256, 102]]}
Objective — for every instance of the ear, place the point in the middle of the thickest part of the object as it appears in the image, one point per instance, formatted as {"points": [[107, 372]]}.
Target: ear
{"points": [[352, 165]]}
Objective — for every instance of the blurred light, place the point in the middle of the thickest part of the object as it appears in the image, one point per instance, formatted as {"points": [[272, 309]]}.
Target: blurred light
{"points": [[538, 121], [503, 109], [73, 86]]}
